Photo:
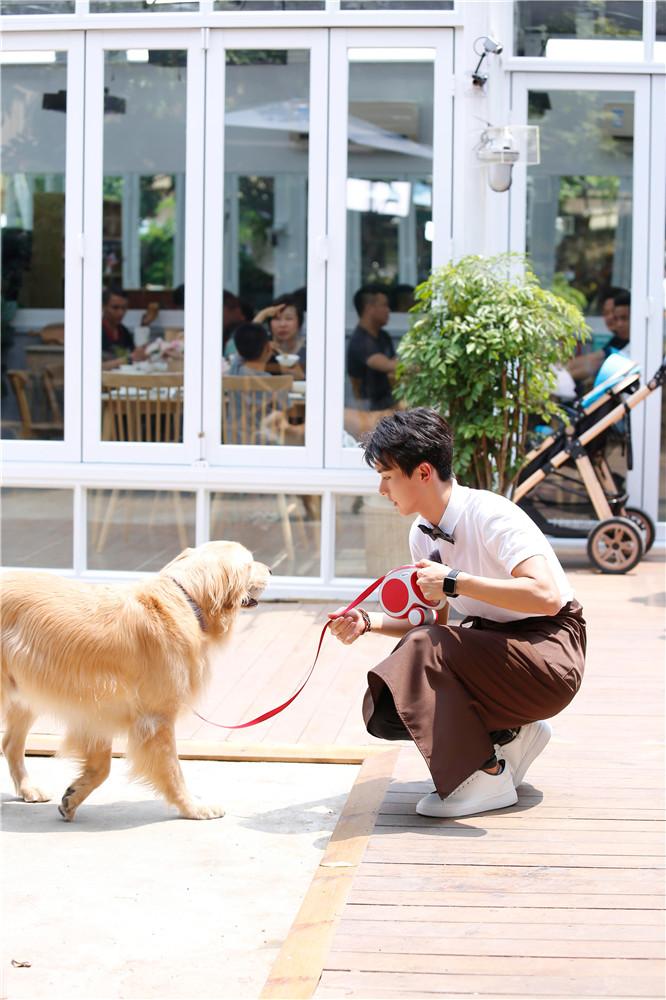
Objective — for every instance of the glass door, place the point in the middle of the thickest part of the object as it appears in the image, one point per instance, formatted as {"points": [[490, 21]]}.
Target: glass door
{"points": [[143, 247], [587, 213], [389, 220], [41, 80], [265, 248]]}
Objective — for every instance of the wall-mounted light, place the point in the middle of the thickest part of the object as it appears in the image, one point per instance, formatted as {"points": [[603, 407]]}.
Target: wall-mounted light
{"points": [[501, 147], [482, 46]]}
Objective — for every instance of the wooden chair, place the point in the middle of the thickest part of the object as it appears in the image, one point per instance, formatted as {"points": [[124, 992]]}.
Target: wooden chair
{"points": [[254, 412], [249, 405], [30, 391], [53, 381], [147, 409]]}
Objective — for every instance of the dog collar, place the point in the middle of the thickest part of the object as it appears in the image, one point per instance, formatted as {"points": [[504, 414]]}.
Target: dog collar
{"points": [[193, 604]]}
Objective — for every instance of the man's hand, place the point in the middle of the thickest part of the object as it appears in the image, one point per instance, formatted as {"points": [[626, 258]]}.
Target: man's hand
{"points": [[348, 627], [430, 578]]}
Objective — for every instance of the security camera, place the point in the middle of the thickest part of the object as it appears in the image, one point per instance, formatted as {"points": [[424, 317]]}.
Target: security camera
{"points": [[492, 45], [487, 45]]}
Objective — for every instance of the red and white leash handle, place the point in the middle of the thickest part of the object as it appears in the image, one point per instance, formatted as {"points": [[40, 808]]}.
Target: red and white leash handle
{"points": [[399, 597]]}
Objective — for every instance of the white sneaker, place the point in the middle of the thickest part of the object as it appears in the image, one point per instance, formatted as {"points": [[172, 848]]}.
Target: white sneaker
{"points": [[478, 793], [527, 745]]}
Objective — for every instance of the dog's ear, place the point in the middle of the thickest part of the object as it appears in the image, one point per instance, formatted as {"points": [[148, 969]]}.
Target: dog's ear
{"points": [[227, 588]]}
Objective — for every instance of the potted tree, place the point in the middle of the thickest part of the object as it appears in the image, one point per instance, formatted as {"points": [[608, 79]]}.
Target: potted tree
{"points": [[483, 349]]}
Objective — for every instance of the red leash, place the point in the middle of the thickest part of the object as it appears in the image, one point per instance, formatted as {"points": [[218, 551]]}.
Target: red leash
{"points": [[281, 708]]}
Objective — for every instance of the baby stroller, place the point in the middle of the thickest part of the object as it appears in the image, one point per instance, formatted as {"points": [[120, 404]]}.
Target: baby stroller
{"points": [[566, 484]]}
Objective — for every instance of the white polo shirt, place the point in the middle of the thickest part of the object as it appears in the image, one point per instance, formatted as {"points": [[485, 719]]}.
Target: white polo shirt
{"points": [[491, 536]]}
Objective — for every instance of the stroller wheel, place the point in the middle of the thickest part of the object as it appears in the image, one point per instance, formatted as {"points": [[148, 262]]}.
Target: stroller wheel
{"points": [[615, 545], [645, 525]]}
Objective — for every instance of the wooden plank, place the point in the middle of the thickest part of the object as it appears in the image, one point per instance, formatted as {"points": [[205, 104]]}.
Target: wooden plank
{"points": [[583, 915], [410, 985], [498, 966], [507, 898], [482, 855], [528, 932], [478, 946], [43, 745], [298, 966], [439, 878]]}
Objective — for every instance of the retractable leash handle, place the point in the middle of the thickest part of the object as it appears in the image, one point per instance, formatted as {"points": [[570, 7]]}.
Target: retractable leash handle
{"points": [[399, 597]]}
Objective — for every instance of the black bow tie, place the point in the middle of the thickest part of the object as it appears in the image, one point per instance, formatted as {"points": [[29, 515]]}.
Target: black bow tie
{"points": [[436, 533]]}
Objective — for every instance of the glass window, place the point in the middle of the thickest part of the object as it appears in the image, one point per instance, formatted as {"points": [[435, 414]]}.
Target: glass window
{"points": [[143, 6], [281, 530], [397, 5], [37, 528], [389, 219], [32, 227], [660, 44], [580, 210], [582, 30], [143, 245], [662, 457], [32, 7], [265, 247], [270, 5], [371, 538], [138, 531]]}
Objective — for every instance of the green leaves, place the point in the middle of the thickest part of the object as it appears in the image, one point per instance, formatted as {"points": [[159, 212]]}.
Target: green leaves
{"points": [[481, 349]]}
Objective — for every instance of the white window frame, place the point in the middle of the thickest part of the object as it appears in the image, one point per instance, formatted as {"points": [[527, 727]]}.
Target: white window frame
{"points": [[257, 457], [69, 449], [640, 254], [94, 449], [443, 99]]}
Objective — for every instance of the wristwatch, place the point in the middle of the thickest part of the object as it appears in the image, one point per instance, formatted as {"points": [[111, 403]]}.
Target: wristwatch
{"points": [[449, 583]]}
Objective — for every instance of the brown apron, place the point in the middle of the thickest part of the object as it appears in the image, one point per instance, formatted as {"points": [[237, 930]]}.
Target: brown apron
{"points": [[449, 687]]}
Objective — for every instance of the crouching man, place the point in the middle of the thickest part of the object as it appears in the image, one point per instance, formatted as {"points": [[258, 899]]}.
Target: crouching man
{"points": [[472, 697]]}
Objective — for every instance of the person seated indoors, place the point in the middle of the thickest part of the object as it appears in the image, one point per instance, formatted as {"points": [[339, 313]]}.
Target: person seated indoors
{"points": [[253, 350], [371, 360], [234, 312], [584, 367], [118, 346], [285, 322]]}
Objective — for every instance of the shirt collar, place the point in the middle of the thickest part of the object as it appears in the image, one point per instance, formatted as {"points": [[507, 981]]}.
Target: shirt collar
{"points": [[454, 508]]}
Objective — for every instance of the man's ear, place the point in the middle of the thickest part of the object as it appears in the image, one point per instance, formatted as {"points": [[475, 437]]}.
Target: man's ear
{"points": [[425, 472]]}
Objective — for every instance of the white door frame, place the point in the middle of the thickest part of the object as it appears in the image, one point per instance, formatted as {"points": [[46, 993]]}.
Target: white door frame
{"points": [[94, 449], [342, 39], [640, 250], [69, 449], [256, 458]]}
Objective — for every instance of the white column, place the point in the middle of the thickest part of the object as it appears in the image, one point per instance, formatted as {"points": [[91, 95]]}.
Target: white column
{"points": [[179, 233], [131, 246], [289, 229]]}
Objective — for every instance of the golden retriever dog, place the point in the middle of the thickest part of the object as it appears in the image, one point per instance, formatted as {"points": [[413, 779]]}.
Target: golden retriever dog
{"points": [[121, 659]]}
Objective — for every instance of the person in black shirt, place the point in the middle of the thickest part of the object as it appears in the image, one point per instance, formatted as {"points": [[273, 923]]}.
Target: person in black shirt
{"points": [[371, 356]]}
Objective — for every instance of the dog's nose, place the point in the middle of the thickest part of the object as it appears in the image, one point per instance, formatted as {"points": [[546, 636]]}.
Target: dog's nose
{"points": [[270, 570]]}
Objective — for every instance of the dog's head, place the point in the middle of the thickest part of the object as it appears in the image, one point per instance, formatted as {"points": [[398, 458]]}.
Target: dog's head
{"points": [[221, 577]]}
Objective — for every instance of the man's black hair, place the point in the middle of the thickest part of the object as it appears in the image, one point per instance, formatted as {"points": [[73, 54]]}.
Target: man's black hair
{"points": [[405, 439], [366, 294], [116, 290], [250, 339], [608, 293], [623, 298]]}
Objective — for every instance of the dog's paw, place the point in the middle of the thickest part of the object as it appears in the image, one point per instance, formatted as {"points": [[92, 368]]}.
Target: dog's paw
{"points": [[66, 809], [199, 810], [31, 794]]}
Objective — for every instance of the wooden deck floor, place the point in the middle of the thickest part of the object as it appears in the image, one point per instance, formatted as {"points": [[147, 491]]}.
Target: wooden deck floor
{"points": [[560, 896]]}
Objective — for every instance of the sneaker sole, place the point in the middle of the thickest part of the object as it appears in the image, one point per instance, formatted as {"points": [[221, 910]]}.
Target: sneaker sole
{"points": [[539, 743], [509, 798]]}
